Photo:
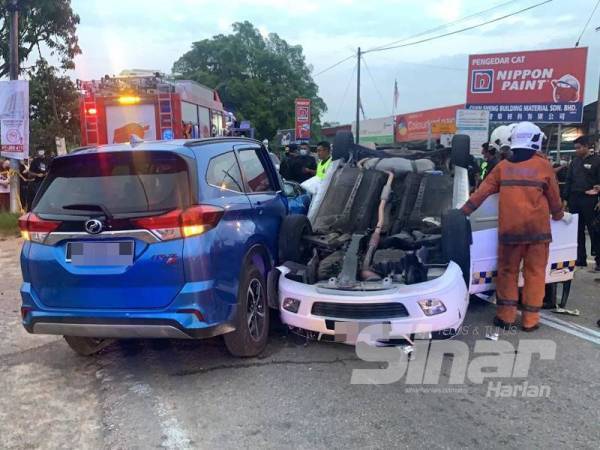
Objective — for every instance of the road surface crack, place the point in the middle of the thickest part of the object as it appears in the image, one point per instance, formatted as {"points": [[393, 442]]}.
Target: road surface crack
{"points": [[183, 373]]}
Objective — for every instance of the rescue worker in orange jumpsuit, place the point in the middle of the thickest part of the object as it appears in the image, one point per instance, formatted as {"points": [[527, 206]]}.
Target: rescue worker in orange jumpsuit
{"points": [[528, 196]]}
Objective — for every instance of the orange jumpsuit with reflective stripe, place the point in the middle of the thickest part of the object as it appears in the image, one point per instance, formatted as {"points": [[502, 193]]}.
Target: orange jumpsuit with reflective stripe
{"points": [[528, 196]]}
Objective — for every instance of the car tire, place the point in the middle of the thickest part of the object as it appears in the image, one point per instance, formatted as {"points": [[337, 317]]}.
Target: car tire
{"points": [[461, 150], [86, 346], [292, 246], [456, 240], [252, 321], [343, 143]]}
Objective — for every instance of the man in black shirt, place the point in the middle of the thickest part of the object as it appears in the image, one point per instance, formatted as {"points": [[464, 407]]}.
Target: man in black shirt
{"points": [[37, 171], [299, 166], [582, 197], [285, 169]]}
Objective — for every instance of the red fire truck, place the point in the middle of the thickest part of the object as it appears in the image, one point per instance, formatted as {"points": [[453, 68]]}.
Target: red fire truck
{"points": [[148, 106]]}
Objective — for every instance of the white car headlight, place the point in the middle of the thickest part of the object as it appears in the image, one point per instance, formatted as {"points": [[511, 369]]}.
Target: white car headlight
{"points": [[432, 306]]}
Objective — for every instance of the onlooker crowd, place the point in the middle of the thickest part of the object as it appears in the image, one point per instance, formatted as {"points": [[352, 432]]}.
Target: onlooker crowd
{"points": [[32, 172]]}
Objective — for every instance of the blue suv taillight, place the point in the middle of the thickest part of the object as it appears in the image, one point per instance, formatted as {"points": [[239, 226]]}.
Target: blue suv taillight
{"points": [[177, 224], [35, 229]]}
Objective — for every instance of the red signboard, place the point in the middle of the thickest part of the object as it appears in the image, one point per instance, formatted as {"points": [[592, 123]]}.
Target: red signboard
{"points": [[302, 119], [414, 126], [538, 86]]}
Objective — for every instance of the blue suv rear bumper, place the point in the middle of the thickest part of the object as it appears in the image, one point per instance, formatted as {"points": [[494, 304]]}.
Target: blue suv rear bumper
{"points": [[196, 312]]}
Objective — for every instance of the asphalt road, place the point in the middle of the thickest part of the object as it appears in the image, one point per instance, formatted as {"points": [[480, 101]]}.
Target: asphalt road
{"points": [[191, 394]]}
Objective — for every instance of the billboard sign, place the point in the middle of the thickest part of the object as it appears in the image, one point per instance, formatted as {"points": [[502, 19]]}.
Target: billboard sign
{"points": [[302, 119], [443, 128], [475, 124], [544, 86], [416, 126], [377, 131], [14, 119]]}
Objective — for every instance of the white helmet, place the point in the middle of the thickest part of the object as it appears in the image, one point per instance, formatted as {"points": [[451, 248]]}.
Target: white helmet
{"points": [[527, 135], [501, 137]]}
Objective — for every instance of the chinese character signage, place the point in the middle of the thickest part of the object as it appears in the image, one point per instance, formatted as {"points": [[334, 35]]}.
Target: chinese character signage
{"points": [[537, 86]]}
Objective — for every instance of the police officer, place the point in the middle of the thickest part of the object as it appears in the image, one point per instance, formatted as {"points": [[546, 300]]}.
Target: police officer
{"points": [[324, 154], [582, 198]]}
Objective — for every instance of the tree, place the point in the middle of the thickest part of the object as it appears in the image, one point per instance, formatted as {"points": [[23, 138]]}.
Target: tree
{"points": [[54, 108], [50, 23], [257, 77]]}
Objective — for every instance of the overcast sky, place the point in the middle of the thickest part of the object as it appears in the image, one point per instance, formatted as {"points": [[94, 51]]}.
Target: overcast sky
{"points": [[152, 34]]}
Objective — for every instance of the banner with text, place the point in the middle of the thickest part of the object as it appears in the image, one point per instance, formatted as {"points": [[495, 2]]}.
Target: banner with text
{"points": [[14, 119], [476, 125], [302, 119], [420, 125], [537, 86]]}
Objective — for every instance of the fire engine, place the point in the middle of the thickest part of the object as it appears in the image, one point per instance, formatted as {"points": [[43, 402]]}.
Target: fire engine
{"points": [[149, 106]]}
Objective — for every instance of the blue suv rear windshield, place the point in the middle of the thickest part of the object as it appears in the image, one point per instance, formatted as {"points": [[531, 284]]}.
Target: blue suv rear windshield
{"points": [[123, 183]]}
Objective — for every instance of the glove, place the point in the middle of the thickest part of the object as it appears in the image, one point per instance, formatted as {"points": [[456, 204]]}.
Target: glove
{"points": [[567, 218]]}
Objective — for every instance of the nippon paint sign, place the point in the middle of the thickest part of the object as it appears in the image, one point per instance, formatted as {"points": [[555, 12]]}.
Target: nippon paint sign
{"points": [[377, 131], [537, 86]]}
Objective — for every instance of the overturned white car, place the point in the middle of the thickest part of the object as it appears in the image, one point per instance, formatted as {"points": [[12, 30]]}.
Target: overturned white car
{"points": [[384, 244]]}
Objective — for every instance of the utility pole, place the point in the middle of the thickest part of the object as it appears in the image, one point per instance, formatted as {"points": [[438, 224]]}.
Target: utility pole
{"points": [[358, 97], [598, 120], [598, 115], [13, 62]]}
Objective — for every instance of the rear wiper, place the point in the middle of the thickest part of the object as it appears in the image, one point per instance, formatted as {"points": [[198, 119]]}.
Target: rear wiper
{"points": [[90, 207]]}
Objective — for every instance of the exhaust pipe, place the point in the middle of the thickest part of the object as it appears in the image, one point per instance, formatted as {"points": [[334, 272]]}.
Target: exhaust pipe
{"points": [[376, 236]]}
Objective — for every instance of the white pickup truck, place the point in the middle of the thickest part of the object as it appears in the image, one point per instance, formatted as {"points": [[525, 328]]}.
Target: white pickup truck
{"points": [[386, 245]]}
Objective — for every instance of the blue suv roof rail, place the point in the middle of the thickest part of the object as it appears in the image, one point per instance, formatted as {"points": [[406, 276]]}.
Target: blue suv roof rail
{"points": [[80, 149], [198, 142]]}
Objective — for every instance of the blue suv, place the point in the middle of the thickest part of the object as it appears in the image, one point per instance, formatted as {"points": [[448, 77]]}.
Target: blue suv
{"points": [[167, 239]]}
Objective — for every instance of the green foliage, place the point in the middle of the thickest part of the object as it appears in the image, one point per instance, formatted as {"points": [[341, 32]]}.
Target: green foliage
{"points": [[49, 22], [8, 223], [259, 77], [54, 108]]}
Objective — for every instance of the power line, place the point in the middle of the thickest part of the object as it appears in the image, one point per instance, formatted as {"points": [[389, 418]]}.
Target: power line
{"points": [[334, 65], [587, 23], [374, 84], [462, 29], [446, 25], [432, 30], [433, 66]]}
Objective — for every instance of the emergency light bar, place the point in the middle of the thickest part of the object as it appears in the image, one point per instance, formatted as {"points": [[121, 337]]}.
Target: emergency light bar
{"points": [[128, 100]]}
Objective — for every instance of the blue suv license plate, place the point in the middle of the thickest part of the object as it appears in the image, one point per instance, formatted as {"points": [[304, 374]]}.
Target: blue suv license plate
{"points": [[100, 253]]}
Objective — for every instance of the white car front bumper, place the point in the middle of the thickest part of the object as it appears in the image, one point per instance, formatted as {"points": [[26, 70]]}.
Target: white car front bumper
{"points": [[450, 288]]}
